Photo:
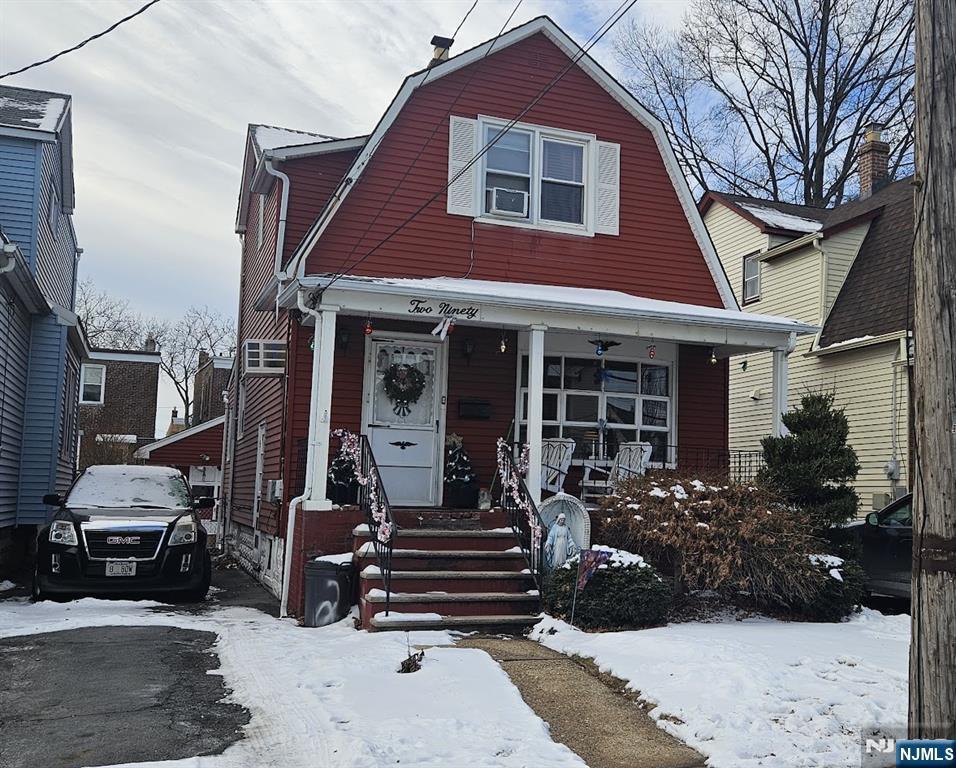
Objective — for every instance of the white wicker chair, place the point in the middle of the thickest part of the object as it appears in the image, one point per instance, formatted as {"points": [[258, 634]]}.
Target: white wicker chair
{"points": [[631, 461], [556, 456]]}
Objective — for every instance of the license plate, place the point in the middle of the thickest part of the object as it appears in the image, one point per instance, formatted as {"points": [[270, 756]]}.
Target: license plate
{"points": [[120, 569]]}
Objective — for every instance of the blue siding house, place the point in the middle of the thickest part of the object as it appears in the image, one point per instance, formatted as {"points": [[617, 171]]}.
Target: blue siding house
{"points": [[42, 344]]}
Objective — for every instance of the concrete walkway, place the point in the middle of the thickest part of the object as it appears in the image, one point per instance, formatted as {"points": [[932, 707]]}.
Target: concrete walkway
{"points": [[603, 726]]}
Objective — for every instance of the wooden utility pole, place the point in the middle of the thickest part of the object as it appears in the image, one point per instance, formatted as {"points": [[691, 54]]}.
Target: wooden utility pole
{"points": [[932, 706]]}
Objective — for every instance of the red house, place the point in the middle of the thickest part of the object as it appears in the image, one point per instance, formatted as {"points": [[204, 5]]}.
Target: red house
{"points": [[512, 252]]}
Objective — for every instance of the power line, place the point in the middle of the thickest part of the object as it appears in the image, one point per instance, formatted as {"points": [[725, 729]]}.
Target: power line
{"points": [[462, 22], [80, 44], [438, 123], [595, 38]]}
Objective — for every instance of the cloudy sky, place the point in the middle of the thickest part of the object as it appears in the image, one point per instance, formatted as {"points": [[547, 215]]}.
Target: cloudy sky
{"points": [[161, 105]]}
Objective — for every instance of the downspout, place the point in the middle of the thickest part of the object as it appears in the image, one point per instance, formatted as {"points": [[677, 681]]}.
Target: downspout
{"points": [[310, 457], [280, 233]]}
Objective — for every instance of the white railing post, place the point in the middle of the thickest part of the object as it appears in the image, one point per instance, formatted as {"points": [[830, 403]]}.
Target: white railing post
{"points": [[535, 410], [779, 390], [325, 349]]}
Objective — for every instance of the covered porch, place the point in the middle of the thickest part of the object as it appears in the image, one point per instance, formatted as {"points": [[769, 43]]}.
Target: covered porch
{"points": [[407, 362]]}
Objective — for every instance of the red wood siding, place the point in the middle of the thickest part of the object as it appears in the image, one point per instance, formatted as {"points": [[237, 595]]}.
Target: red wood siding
{"points": [[489, 377], [702, 408], [188, 451], [655, 254], [312, 182]]}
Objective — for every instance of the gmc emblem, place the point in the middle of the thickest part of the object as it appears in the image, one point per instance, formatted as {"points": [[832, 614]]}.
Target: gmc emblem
{"points": [[122, 539]]}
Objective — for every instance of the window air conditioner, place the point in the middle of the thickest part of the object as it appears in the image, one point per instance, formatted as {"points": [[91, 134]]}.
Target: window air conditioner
{"points": [[509, 202]]}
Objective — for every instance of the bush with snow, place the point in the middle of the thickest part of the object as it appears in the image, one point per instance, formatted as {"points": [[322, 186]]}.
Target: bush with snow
{"points": [[625, 593], [739, 540]]}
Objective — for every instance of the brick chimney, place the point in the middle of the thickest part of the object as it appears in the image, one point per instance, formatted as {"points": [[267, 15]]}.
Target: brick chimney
{"points": [[873, 159], [176, 423]]}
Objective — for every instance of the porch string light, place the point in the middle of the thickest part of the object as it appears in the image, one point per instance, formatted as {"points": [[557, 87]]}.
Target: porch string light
{"points": [[352, 450], [511, 486]]}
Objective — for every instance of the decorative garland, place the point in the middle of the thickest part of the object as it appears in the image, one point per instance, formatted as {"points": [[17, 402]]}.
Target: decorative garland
{"points": [[404, 384], [511, 486], [352, 448]]}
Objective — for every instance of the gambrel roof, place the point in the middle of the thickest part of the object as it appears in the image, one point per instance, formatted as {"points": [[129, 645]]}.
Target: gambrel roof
{"points": [[545, 26]]}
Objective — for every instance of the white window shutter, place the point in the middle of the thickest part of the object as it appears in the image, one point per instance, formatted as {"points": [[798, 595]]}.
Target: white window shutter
{"points": [[608, 197], [462, 147]]}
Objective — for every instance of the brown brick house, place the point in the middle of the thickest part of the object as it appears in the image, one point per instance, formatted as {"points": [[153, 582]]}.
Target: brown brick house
{"points": [[118, 390], [212, 380]]}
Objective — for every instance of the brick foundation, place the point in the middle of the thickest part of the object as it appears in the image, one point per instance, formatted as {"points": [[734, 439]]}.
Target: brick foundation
{"points": [[318, 533]]}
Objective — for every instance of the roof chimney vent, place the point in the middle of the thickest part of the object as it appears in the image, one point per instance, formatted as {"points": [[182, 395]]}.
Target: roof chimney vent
{"points": [[440, 54], [873, 159], [150, 345]]}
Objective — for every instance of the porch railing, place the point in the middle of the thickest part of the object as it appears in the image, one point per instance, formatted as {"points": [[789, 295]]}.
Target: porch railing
{"points": [[372, 499], [739, 466], [522, 513]]}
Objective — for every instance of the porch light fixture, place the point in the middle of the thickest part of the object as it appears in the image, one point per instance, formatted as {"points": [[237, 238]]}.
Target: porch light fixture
{"points": [[469, 349], [343, 337], [503, 344], [601, 346], [713, 356], [368, 327]]}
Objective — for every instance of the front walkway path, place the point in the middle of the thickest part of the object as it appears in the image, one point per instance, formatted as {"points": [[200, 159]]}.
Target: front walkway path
{"points": [[605, 728]]}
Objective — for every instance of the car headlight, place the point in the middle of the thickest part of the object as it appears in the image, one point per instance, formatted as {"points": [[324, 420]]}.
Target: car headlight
{"points": [[183, 533], [63, 532]]}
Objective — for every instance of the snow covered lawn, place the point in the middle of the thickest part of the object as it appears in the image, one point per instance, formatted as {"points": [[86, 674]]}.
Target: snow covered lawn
{"points": [[760, 692], [332, 697]]}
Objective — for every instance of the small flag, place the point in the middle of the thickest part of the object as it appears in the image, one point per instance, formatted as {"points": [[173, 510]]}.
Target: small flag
{"points": [[589, 561]]}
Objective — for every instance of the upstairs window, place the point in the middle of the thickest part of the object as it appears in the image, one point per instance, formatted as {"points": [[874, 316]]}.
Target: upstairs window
{"points": [[533, 176], [264, 357], [751, 277], [53, 214], [92, 384]]}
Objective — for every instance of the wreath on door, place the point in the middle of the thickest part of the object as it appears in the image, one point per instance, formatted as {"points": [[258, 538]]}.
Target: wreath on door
{"points": [[404, 385]]}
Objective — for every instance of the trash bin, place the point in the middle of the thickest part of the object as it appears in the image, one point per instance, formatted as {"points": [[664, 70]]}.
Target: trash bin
{"points": [[328, 592]]}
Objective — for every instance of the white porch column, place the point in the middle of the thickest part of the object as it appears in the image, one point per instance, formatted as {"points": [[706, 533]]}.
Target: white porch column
{"points": [[325, 349], [779, 392], [535, 409]]}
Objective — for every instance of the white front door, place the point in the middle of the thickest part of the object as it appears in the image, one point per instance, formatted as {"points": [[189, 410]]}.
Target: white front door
{"points": [[404, 394]]}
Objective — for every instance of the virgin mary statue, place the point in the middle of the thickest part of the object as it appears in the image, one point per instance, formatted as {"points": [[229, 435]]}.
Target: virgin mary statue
{"points": [[560, 544]]}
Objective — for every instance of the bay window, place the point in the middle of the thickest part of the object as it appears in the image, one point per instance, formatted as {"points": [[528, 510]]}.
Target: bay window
{"points": [[601, 403]]}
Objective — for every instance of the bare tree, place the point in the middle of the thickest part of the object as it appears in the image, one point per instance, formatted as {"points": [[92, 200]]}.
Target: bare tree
{"points": [[109, 322], [771, 97], [200, 329]]}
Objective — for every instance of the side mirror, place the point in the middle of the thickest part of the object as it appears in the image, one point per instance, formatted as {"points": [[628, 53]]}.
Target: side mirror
{"points": [[204, 502], [53, 499], [873, 519]]}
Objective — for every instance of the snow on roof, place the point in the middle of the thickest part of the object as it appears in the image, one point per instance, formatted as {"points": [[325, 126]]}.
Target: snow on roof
{"points": [[31, 110], [272, 137], [562, 297], [782, 220]]}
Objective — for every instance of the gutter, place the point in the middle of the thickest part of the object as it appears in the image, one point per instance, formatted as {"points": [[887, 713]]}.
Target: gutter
{"points": [[810, 239], [309, 461], [863, 341], [283, 213]]}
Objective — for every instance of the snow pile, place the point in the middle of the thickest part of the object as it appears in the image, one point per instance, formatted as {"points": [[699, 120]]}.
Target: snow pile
{"points": [[44, 115], [341, 559], [129, 486], [332, 697], [6, 586], [760, 692], [781, 220]]}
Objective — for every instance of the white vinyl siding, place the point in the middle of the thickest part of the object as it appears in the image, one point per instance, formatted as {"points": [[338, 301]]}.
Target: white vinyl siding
{"points": [[733, 238]]}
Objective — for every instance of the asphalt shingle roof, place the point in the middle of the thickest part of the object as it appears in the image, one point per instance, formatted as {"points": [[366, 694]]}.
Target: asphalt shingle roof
{"points": [[31, 110]]}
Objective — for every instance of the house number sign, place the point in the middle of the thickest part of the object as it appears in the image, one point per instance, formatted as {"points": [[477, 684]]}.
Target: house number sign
{"points": [[430, 308]]}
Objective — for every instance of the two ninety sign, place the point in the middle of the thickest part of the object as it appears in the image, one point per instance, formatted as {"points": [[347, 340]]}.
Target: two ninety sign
{"points": [[431, 308]]}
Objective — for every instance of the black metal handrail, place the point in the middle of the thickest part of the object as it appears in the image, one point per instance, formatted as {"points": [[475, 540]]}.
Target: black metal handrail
{"points": [[373, 501], [529, 529]]}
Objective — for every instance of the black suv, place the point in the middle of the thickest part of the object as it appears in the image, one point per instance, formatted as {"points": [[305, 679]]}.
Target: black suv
{"points": [[122, 528], [887, 538]]}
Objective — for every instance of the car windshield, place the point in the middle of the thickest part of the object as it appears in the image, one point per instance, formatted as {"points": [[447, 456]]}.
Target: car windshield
{"points": [[130, 488]]}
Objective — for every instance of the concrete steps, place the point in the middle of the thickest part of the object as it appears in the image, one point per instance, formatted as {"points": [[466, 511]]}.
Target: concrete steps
{"points": [[451, 569]]}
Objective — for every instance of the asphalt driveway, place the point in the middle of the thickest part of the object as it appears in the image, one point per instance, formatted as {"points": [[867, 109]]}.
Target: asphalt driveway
{"points": [[108, 695]]}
